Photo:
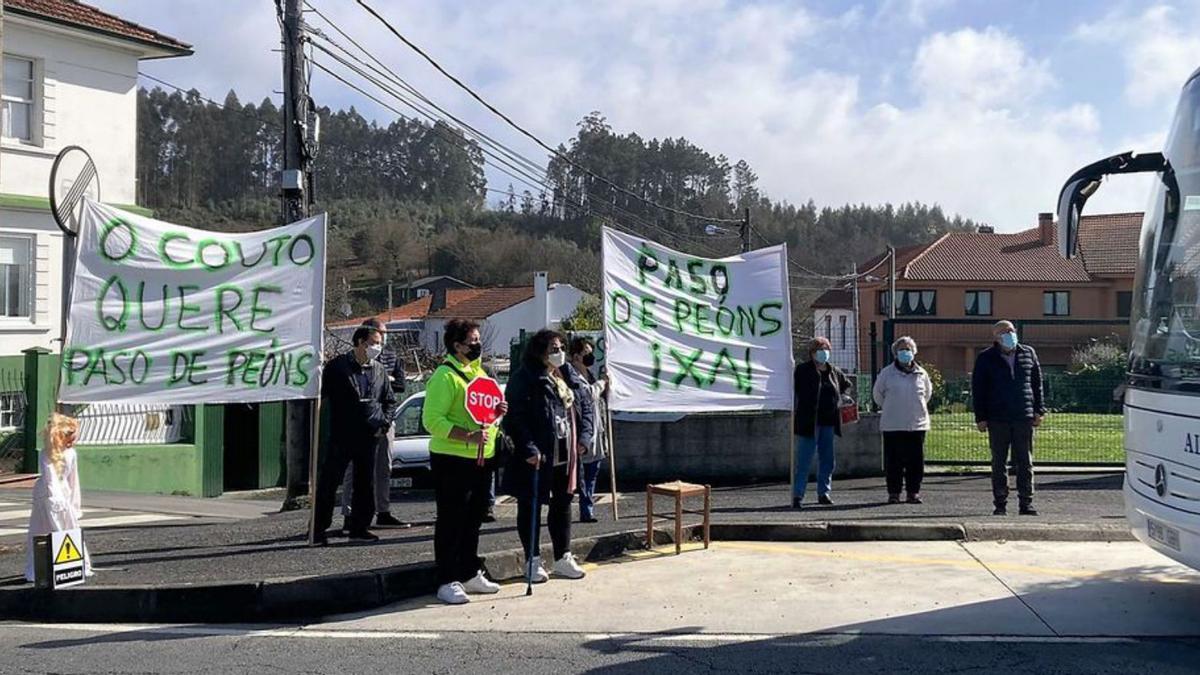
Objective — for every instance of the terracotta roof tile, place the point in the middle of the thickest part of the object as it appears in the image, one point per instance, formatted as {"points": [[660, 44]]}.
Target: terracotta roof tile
{"points": [[84, 16], [417, 309], [835, 298], [1108, 244], [971, 256], [485, 302]]}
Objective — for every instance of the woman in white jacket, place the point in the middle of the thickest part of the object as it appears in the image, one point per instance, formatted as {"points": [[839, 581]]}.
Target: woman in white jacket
{"points": [[57, 501], [903, 390]]}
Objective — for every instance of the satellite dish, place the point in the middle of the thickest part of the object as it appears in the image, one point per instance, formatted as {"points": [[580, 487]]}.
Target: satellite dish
{"points": [[73, 176]]}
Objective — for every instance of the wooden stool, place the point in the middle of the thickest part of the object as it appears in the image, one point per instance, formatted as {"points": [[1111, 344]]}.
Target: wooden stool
{"points": [[678, 490]]}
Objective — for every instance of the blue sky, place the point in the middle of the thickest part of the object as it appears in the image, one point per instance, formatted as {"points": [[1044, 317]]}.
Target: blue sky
{"points": [[984, 107]]}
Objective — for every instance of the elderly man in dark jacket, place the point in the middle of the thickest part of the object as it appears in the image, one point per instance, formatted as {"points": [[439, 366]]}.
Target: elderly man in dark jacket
{"points": [[1007, 390], [361, 405]]}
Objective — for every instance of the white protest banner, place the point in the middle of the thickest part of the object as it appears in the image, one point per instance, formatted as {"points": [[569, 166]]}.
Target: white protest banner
{"points": [[169, 314], [689, 334]]}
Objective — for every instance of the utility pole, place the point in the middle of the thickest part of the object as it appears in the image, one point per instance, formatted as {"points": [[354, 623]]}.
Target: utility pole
{"points": [[298, 438], [389, 314], [746, 231]]}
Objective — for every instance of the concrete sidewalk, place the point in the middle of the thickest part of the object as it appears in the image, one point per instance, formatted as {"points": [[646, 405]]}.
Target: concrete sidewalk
{"points": [[262, 567]]}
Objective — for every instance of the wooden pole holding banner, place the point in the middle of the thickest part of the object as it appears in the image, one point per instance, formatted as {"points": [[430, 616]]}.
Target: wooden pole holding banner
{"points": [[612, 461]]}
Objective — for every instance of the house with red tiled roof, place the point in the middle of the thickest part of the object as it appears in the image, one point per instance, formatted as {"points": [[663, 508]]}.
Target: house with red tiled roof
{"points": [[503, 312], [949, 291]]}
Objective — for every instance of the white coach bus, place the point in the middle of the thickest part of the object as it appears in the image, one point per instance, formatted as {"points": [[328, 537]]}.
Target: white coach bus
{"points": [[1162, 393]]}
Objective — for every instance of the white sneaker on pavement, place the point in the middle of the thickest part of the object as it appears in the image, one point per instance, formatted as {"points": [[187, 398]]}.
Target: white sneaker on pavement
{"points": [[481, 585], [453, 594], [567, 567], [540, 576]]}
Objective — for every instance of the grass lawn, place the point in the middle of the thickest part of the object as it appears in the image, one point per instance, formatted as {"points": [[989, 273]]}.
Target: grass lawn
{"points": [[1063, 437]]}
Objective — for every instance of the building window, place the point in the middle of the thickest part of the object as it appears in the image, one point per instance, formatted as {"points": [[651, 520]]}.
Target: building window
{"points": [[842, 330], [910, 303], [16, 277], [978, 303], [1056, 303], [1124, 304], [17, 98], [422, 292], [828, 325]]}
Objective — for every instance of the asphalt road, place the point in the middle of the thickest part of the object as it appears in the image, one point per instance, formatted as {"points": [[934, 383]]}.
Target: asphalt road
{"points": [[743, 607], [48, 649]]}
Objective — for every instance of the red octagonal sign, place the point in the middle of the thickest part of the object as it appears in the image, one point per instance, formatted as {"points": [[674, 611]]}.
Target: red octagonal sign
{"points": [[483, 396]]}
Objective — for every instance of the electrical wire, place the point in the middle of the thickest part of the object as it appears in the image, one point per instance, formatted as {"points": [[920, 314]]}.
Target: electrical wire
{"points": [[508, 120], [534, 181]]}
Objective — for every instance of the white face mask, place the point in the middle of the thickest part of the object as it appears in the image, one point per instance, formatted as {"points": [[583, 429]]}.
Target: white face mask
{"points": [[557, 359], [373, 351]]}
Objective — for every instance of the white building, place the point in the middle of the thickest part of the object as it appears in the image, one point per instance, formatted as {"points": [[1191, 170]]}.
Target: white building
{"points": [[69, 77], [502, 312], [834, 319]]}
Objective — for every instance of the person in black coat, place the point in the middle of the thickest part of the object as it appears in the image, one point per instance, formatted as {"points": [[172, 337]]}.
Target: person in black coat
{"points": [[362, 407], [818, 389], [542, 425], [1006, 387]]}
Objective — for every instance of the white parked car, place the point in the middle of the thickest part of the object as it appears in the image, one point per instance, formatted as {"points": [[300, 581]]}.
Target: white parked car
{"points": [[410, 445]]}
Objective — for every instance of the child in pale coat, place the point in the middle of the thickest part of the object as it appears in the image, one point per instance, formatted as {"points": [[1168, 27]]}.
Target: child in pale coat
{"points": [[57, 501]]}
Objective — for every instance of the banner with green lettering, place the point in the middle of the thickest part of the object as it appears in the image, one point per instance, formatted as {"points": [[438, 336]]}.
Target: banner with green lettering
{"points": [[691, 334], [170, 314]]}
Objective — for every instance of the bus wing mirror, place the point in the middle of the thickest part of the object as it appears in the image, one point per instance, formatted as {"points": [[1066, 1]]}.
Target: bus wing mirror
{"points": [[1085, 182]]}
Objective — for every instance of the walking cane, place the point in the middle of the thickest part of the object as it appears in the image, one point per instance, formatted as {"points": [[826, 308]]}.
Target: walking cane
{"points": [[533, 529]]}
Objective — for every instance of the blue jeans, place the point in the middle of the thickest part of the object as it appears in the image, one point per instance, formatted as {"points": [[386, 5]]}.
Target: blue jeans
{"points": [[820, 444], [587, 489]]}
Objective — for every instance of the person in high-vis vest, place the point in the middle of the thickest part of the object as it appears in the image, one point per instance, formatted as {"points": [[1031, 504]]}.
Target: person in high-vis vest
{"points": [[462, 457]]}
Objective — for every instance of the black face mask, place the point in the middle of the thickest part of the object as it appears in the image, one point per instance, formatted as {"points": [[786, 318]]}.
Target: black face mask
{"points": [[474, 351], [589, 360]]}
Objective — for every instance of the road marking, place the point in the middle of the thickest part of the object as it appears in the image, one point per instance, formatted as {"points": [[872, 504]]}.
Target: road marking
{"points": [[682, 637], [112, 521], [17, 513], [1032, 638], [246, 631], [910, 560]]}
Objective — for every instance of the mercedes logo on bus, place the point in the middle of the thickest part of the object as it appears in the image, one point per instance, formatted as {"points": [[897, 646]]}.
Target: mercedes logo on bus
{"points": [[1160, 480]]}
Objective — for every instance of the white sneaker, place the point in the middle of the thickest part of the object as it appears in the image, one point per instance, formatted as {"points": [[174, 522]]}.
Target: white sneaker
{"points": [[453, 594], [540, 576], [481, 585], [567, 567]]}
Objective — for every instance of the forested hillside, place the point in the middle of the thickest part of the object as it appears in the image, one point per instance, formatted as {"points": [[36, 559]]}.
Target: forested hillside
{"points": [[409, 199]]}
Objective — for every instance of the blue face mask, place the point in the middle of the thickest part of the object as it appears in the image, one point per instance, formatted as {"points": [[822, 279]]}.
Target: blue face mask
{"points": [[821, 356], [1008, 340], [904, 356]]}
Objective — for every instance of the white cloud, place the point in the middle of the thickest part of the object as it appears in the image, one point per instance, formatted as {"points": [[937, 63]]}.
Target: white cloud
{"points": [[979, 68], [915, 12], [748, 80], [1160, 47]]}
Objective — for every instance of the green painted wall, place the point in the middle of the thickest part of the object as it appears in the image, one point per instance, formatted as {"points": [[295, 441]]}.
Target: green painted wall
{"points": [[43, 204], [41, 368], [166, 469], [270, 445]]}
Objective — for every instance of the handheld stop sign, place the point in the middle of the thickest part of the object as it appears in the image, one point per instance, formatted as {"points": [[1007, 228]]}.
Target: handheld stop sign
{"points": [[483, 397]]}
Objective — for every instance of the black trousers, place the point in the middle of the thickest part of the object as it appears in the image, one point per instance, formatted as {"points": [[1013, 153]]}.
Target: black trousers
{"points": [[558, 518], [1017, 436], [462, 489], [904, 460], [362, 508]]}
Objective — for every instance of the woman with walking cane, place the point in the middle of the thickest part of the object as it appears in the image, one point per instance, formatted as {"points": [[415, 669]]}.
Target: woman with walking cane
{"points": [[462, 457], [544, 466]]}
